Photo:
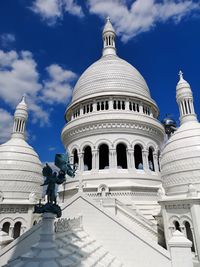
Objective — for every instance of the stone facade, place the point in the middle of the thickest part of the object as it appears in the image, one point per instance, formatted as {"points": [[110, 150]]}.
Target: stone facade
{"points": [[139, 201]]}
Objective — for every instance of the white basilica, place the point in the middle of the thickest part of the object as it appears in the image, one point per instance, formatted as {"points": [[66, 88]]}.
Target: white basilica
{"points": [[131, 203]]}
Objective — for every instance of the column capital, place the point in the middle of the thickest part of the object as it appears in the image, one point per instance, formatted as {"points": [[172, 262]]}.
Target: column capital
{"points": [[144, 151]]}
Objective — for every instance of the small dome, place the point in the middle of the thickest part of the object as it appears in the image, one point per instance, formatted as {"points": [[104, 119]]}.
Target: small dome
{"points": [[110, 75], [20, 170], [20, 167], [181, 160]]}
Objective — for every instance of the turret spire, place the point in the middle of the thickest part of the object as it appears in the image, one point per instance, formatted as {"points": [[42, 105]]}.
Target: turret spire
{"points": [[184, 100], [109, 39], [20, 118]]}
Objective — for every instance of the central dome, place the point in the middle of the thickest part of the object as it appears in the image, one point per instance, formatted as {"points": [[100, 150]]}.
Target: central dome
{"points": [[110, 75]]}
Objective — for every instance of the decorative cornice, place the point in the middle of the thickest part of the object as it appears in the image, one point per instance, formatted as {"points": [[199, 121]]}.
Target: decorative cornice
{"points": [[71, 133], [13, 209], [177, 206]]}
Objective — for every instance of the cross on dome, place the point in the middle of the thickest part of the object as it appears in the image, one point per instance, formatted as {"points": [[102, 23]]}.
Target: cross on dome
{"points": [[180, 74], [181, 79]]}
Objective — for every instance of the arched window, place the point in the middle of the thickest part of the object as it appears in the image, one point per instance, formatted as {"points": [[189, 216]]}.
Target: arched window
{"points": [[75, 156], [177, 226], [121, 156], [189, 234], [138, 157], [150, 159], [103, 157], [17, 229], [6, 227], [87, 158], [35, 222]]}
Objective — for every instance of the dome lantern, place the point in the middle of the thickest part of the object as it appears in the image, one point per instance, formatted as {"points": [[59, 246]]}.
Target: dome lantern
{"points": [[109, 39], [184, 100], [20, 118]]}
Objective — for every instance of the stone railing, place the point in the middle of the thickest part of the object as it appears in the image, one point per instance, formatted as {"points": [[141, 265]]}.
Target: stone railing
{"points": [[112, 104]]}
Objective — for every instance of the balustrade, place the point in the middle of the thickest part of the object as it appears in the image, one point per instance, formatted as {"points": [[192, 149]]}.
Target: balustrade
{"points": [[112, 104]]}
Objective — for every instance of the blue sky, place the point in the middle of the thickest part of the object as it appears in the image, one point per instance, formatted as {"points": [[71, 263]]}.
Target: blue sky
{"points": [[46, 44]]}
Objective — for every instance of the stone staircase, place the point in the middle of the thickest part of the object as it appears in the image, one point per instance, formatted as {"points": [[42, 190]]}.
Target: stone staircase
{"points": [[136, 219], [77, 248], [148, 208]]}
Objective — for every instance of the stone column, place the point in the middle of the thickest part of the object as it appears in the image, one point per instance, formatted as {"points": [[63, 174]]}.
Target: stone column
{"points": [[110, 104], [127, 104], [95, 159], [130, 158], [81, 110], [180, 249], [155, 161], [71, 159], [111, 161], [133, 159], [140, 107], [80, 160], [151, 113], [94, 106], [113, 158], [145, 160], [11, 231]]}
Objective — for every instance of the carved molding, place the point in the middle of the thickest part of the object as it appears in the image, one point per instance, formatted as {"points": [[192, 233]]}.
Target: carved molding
{"points": [[7, 210], [177, 206], [169, 181], [65, 224]]}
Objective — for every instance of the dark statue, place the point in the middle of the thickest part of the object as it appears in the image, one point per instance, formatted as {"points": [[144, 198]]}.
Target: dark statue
{"points": [[53, 178]]}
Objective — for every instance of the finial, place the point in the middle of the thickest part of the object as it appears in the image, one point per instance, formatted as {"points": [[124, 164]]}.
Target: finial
{"points": [[23, 98], [108, 19], [180, 75]]}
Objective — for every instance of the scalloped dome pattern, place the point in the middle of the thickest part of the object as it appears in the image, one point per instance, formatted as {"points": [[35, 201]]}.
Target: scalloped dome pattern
{"points": [[181, 159], [20, 170], [110, 75]]}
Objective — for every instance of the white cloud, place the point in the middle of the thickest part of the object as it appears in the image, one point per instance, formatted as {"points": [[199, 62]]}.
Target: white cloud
{"points": [[130, 18], [73, 8], [19, 75], [6, 122], [140, 16], [7, 39], [58, 87], [49, 10], [52, 10]]}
